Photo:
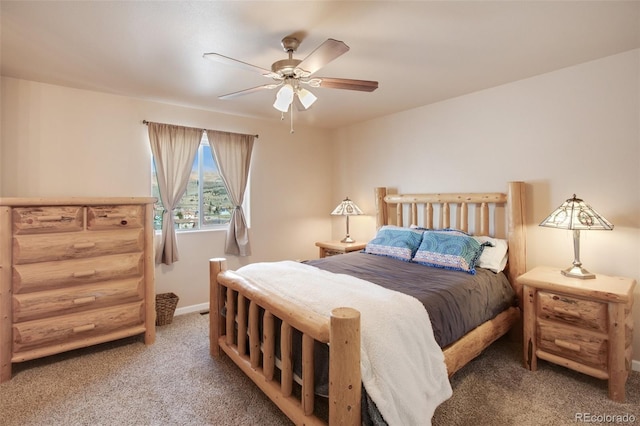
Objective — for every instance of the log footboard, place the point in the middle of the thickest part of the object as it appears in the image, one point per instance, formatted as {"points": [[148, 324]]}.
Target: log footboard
{"points": [[243, 301]]}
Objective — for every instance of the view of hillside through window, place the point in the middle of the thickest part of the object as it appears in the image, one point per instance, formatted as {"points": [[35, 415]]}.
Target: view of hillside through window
{"points": [[205, 204]]}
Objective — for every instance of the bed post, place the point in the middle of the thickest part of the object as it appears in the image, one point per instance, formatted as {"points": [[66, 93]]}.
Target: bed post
{"points": [[381, 207], [345, 381], [216, 323], [516, 236]]}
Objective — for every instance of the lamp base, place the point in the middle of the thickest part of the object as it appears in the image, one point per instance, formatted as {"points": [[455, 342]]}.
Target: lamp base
{"points": [[578, 272], [347, 239]]}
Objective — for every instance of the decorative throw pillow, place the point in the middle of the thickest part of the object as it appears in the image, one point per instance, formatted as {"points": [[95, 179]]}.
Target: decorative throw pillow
{"points": [[449, 249], [494, 255], [394, 241]]}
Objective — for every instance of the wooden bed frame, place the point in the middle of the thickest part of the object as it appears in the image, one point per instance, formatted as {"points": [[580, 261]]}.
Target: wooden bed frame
{"points": [[471, 212]]}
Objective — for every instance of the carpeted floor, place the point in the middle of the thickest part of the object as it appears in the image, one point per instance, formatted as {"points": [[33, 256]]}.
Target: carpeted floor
{"points": [[176, 382]]}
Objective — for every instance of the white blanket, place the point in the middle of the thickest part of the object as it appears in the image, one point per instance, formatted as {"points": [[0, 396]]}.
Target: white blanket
{"points": [[403, 367]]}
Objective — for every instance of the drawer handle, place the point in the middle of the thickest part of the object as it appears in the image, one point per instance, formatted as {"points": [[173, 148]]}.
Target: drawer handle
{"points": [[82, 300], [49, 218], [81, 328], [82, 274], [569, 312], [567, 345], [84, 245], [115, 216]]}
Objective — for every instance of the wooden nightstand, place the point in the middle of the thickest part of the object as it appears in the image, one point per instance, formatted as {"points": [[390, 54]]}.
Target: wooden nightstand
{"points": [[331, 248], [585, 325]]}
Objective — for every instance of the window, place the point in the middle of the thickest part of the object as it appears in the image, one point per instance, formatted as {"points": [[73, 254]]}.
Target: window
{"points": [[205, 204]]}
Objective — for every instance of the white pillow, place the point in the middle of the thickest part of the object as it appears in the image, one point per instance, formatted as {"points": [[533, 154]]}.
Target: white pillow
{"points": [[494, 256]]}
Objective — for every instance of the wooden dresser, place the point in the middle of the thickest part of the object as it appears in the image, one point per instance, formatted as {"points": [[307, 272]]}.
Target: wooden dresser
{"points": [[74, 272]]}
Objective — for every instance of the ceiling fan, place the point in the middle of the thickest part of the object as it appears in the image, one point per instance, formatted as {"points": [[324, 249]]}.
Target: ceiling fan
{"points": [[290, 75]]}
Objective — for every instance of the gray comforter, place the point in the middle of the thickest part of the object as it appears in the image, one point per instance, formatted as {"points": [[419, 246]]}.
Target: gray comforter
{"points": [[457, 302]]}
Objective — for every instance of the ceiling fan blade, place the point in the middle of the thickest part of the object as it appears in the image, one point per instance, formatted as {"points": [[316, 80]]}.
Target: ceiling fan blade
{"points": [[346, 83], [325, 53], [236, 63], [248, 91]]}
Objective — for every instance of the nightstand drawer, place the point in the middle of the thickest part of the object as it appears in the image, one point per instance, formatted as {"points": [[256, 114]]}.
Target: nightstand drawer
{"points": [[329, 252], [574, 344], [585, 314]]}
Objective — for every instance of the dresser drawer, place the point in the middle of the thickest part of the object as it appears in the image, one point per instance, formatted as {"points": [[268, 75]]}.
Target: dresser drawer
{"points": [[574, 344], [114, 217], [581, 313], [44, 304], [67, 328], [75, 245], [37, 220], [52, 275]]}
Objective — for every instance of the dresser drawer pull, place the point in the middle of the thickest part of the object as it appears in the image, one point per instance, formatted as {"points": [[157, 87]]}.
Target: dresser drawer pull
{"points": [[567, 345], [569, 312], [83, 300], [54, 218], [82, 274], [81, 328], [84, 245]]}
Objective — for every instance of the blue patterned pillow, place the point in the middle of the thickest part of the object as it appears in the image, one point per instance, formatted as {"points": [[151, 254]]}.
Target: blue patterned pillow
{"points": [[394, 241], [449, 249]]}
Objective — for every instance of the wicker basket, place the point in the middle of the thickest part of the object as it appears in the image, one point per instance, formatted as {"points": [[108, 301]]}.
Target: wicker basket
{"points": [[165, 307]]}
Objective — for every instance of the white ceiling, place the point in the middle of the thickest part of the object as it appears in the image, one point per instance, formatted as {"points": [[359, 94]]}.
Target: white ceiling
{"points": [[420, 52]]}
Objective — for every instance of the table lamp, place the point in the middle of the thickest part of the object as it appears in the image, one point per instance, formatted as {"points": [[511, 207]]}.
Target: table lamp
{"points": [[575, 215], [347, 208]]}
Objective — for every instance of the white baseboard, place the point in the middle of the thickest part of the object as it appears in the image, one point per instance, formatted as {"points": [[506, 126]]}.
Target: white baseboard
{"points": [[204, 307]]}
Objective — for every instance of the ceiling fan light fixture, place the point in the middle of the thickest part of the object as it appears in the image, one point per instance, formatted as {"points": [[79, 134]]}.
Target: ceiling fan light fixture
{"points": [[306, 98], [284, 97]]}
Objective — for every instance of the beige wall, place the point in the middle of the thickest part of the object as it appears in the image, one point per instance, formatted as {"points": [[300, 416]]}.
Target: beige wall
{"points": [[575, 130], [58, 141]]}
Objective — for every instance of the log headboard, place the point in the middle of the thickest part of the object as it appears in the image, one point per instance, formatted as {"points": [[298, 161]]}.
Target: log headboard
{"points": [[496, 214]]}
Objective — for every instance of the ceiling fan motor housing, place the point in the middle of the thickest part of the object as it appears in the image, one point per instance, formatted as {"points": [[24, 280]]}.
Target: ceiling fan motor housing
{"points": [[285, 67]]}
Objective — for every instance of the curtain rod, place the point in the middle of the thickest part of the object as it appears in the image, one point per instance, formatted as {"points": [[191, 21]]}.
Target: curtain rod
{"points": [[204, 130]]}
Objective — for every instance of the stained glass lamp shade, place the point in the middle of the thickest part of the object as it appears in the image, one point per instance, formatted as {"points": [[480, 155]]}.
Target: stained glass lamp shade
{"points": [[576, 215], [347, 208]]}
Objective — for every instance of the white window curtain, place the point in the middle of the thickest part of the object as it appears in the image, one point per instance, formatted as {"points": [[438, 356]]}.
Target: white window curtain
{"points": [[232, 153], [174, 148]]}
